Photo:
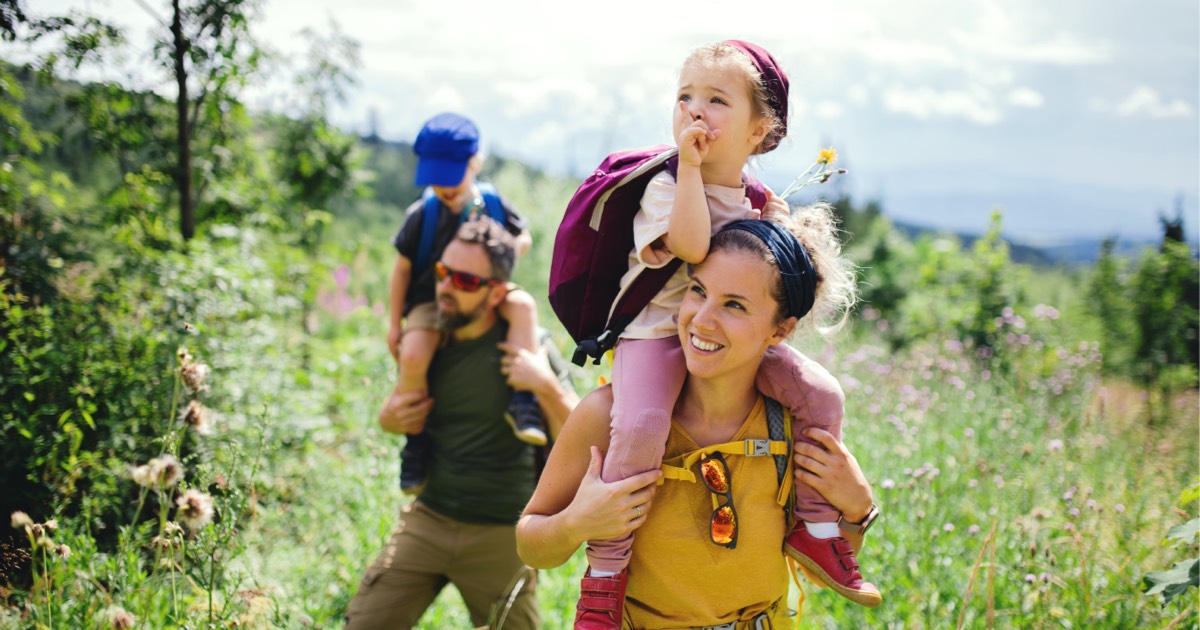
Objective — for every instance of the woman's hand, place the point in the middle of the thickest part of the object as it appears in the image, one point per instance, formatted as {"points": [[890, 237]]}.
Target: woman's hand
{"points": [[833, 471], [601, 511]]}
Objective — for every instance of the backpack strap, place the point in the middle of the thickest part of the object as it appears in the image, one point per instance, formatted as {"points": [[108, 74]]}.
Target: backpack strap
{"points": [[491, 199], [429, 218], [779, 427]]}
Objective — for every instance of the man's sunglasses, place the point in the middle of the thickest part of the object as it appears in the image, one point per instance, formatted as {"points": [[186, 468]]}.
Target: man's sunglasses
{"points": [[722, 524], [462, 280]]}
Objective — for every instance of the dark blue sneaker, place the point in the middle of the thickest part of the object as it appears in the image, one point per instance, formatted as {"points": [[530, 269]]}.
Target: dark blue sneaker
{"points": [[414, 463], [525, 417]]}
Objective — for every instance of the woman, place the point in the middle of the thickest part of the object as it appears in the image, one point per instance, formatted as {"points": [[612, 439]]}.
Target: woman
{"points": [[709, 552]]}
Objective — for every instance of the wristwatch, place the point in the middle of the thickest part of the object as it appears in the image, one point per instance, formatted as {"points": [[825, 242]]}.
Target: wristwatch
{"points": [[862, 526]]}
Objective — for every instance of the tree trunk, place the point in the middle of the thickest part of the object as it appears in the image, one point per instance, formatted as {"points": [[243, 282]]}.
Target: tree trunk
{"points": [[183, 177]]}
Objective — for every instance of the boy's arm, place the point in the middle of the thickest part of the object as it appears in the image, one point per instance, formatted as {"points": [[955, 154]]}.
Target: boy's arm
{"points": [[522, 243], [401, 277]]}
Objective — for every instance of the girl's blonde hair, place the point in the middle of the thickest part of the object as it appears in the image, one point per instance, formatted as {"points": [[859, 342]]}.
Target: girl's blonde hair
{"points": [[718, 53], [816, 227]]}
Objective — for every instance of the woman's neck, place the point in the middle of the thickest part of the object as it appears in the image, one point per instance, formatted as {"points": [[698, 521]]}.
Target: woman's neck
{"points": [[712, 410]]}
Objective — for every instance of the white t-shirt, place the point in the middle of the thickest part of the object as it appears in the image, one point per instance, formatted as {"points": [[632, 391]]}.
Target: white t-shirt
{"points": [[725, 205]]}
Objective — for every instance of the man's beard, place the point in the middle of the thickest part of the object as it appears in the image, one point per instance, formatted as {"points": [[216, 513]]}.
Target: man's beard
{"points": [[449, 322]]}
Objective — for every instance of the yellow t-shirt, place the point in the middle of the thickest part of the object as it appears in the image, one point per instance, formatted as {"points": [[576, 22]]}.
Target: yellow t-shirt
{"points": [[678, 578]]}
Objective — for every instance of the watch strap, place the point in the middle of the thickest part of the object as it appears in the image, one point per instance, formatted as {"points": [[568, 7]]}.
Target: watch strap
{"points": [[862, 526]]}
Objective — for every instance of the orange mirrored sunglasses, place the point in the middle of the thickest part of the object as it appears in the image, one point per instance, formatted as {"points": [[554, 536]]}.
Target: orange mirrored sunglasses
{"points": [[462, 280], [722, 524]]}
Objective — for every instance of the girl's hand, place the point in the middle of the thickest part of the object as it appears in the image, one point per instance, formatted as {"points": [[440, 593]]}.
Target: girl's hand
{"points": [[694, 140], [775, 209], [833, 471], [601, 511]]}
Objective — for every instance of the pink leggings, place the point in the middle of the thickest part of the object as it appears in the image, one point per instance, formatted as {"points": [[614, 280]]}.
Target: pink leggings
{"points": [[648, 375]]}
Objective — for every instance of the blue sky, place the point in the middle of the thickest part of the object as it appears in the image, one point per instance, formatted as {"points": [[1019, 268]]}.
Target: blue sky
{"points": [[1075, 119]]}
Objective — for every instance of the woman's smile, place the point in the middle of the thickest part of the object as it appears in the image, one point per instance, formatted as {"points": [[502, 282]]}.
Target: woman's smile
{"points": [[705, 346]]}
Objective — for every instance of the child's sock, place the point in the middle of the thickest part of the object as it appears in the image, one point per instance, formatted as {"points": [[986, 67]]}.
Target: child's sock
{"points": [[822, 530], [599, 573]]}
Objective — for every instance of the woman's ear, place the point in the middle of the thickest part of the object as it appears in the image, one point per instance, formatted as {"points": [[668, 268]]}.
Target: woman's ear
{"points": [[784, 330], [475, 164]]}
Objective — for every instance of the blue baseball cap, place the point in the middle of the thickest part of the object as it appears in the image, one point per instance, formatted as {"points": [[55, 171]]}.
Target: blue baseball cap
{"points": [[444, 147]]}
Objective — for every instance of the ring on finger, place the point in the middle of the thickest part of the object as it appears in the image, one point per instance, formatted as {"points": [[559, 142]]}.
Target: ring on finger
{"points": [[638, 509]]}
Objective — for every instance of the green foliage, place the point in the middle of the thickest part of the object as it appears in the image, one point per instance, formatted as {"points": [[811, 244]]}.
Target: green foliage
{"points": [[1107, 295], [1165, 320], [1186, 573]]}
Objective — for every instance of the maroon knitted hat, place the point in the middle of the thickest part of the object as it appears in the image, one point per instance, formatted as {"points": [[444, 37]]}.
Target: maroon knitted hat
{"points": [[774, 78]]}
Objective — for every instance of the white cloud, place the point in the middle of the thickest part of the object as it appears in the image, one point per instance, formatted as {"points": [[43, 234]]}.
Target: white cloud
{"points": [[445, 98], [925, 102], [1026, 97], [828, 109], [858, 94], [1146, 101]]}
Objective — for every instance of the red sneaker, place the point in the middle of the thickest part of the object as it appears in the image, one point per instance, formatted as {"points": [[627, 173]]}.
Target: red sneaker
{"points": [[601, 602], [831, 561]]}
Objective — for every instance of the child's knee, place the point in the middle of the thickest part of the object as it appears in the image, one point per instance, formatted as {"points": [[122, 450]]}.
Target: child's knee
{"points": [[519, 304]]}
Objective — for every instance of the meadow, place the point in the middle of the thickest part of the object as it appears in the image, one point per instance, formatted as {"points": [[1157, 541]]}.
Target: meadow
{"points": [[1021, 484]]}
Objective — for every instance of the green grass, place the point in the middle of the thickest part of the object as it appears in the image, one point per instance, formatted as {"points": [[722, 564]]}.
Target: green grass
{"points": [[952, 456], [1021, 492]]}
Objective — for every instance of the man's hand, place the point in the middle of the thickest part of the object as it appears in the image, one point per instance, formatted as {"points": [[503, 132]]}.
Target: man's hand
{"points": [[405, 413], [525, 370]]}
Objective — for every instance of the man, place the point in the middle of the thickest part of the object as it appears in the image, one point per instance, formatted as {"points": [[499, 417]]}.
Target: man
{"points": [[461, 527]]}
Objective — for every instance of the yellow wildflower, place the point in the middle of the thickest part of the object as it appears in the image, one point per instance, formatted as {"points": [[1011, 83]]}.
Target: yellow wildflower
{"points": [[827, 156]]}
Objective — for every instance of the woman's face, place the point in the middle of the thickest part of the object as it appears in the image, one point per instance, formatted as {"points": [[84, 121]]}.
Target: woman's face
{"points": [[728, 317]]}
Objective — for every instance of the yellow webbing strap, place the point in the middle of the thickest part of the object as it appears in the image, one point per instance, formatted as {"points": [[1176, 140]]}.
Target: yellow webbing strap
{"points": [[792, 567], [748, 448]]}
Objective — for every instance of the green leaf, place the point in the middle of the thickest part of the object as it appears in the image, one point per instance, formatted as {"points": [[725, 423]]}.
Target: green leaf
{"points": [[1184, 533], [1173, 581], [1189, 494]]}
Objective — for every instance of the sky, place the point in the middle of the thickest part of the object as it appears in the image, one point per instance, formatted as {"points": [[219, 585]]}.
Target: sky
{"points": [[1075, 119]]}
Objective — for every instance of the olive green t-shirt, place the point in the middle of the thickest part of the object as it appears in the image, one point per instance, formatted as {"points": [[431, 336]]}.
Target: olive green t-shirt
{"points": [[480, 472]]}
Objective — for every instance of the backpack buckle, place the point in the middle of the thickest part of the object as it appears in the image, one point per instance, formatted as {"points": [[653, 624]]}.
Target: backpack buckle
{"points": [[594, 348], [758, 448]]}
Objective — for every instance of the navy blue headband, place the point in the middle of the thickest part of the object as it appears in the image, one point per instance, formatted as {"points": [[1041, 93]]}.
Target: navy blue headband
{"points": [[799, 275]]}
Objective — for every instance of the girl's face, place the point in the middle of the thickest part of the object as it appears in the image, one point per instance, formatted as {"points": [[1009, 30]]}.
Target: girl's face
{"points": [[718, 93], [728, 317]]}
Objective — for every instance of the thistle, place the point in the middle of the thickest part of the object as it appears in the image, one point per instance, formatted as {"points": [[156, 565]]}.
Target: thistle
{"points": [[21, 520], [818, 172], [193, 375], [195, 510], [160, 472], [196, 416]]}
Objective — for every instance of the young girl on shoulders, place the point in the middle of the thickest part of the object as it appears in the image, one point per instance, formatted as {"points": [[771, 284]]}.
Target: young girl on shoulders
{"points": [[731, 104]]}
